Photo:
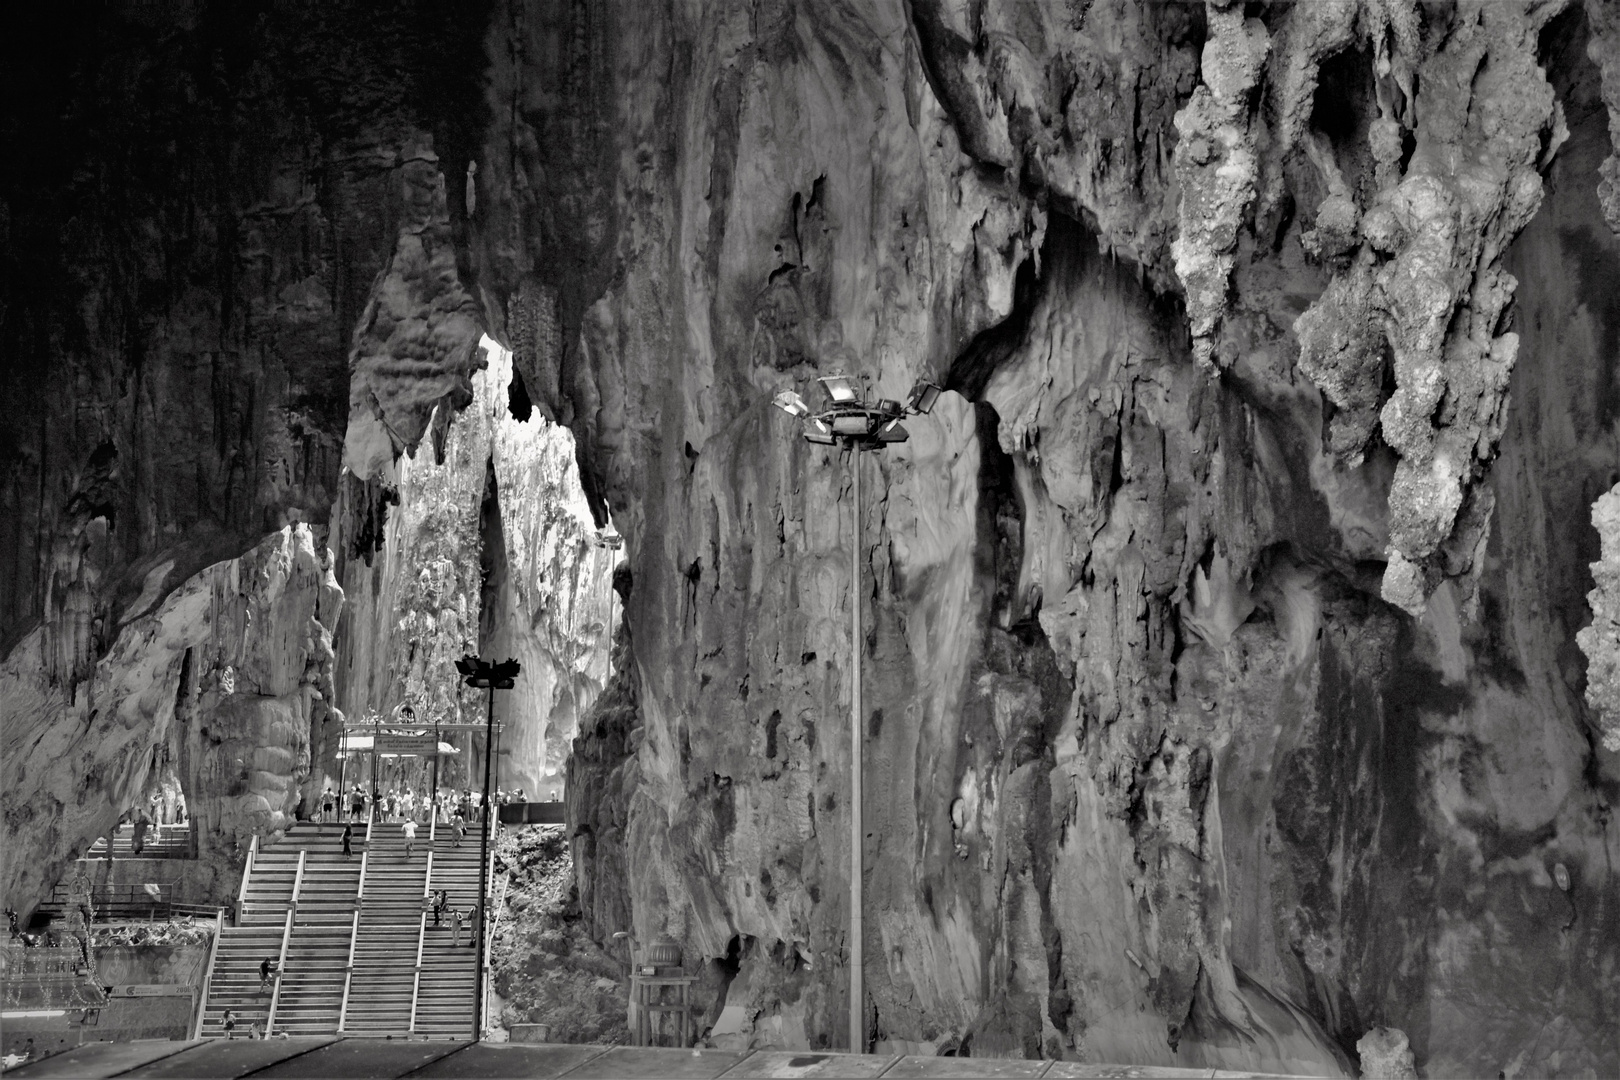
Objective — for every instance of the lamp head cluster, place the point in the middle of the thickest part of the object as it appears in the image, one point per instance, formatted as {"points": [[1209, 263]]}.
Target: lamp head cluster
{"points": [[483, 674], [853, 422]]}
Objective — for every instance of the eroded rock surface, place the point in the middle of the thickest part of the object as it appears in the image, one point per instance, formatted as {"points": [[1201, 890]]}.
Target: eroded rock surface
{"points": [[229, 675]]}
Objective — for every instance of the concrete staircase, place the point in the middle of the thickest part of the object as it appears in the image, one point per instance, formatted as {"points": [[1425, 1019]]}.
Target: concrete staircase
{"points": [[449, 972], [311, 995], [234, 980], [267, 890], [356, 952], [388, 936], [160, 842]]}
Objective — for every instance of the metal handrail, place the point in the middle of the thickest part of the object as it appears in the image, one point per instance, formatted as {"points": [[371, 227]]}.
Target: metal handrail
{"points": [[208, 976], [298, 880], [348, 972], [416, 976], [360, 890], [241, 894], [281, 973]]}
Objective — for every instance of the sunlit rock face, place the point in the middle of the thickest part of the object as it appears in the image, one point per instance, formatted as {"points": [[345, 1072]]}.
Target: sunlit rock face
{"points": [[229, 674], [1222, 696], [552, 606]]}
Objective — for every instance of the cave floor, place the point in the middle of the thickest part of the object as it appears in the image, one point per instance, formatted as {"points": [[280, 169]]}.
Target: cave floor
{"points": [[372, 1058]]}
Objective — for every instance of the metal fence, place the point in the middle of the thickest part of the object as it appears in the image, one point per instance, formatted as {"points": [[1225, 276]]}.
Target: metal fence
{"points": [[125, 903]]}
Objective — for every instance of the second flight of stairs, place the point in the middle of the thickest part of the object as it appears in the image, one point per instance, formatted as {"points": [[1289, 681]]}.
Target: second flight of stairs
{"points": [[355, 945]]}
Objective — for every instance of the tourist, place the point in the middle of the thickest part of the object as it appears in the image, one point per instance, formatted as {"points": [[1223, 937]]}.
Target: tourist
{"points": [[348, 839], [267, 968], [456, 915], [410, 837], [438, 905], [156, 804], [357, 803], [458, 823], [137, 840], [326, 804], [180, 808], [255, 1032], [230, 1023]]}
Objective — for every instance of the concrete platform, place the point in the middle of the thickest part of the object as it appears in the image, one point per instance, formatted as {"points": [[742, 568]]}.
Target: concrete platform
{"points": [[95, 1061], [379, 1059], [218, 1059], [512, 1059]]}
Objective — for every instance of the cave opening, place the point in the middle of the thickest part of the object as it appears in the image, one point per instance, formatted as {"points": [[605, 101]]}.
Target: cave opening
{"points": [[491, 551]]}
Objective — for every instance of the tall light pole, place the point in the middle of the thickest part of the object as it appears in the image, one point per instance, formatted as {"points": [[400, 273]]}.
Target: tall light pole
{"points": [[856, 425], [503, 676]]}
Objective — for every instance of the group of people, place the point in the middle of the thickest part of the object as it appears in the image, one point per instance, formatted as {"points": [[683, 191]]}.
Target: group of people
{"points": [[404, 804], [439, 903], [166, 810], [254, 1032]]}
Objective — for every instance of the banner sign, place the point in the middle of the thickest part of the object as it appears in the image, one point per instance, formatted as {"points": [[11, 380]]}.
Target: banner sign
{"points": [[406, 744]]}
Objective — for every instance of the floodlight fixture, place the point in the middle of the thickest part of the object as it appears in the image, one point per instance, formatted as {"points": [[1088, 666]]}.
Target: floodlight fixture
{"points": [[791, 403], [922, 398], [853, 424], [840, 389]]}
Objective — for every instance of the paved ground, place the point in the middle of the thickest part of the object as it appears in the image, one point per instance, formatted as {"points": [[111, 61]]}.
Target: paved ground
{"points": [[350, 1059]]}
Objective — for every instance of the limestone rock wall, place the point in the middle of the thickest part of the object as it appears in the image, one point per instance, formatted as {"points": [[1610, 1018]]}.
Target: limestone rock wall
{"points": [[1212, 618], [230, 674], [555, 605], [205, 210]]}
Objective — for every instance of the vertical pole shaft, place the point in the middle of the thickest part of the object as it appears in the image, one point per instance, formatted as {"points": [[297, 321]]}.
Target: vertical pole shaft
{"points": [[483, 870], [857, 998]]}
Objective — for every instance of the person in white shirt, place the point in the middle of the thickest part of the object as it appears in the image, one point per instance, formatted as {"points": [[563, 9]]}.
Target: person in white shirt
{"points": [[410, 836]]}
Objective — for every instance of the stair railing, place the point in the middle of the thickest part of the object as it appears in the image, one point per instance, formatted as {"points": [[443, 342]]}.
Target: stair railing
{"points": [[360, 890], [348, 972], [416, 977], [241, 894], [281, 975], [298, 882], [421, 933], [208, 975]]}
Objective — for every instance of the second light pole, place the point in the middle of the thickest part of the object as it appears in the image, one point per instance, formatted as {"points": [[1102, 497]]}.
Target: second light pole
{"points": [[854, 424], [484, 675]]}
